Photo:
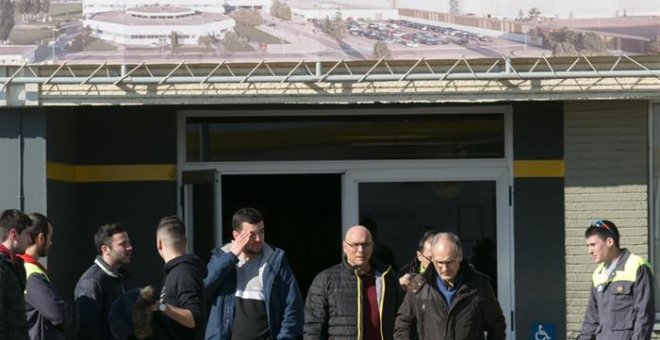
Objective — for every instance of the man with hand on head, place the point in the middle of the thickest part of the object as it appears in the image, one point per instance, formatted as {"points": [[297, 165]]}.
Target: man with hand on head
{"points": [[451, 300], [421, 261], [102, 283], [251, 287], [47, 313], [356, 299], [14, 238], [181, 305]]}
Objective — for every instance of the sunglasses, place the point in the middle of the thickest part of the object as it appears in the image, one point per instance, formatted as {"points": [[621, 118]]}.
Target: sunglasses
{"points": [[604, 225]]}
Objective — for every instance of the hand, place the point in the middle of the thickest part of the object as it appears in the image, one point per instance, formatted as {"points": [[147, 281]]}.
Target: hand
{"points": [[404, 281], [154, 306], [239, 243]]}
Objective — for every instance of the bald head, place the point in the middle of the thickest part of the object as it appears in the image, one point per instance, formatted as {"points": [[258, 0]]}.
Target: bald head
{"points": [[357, 231], [358, 247], [447, 256]]}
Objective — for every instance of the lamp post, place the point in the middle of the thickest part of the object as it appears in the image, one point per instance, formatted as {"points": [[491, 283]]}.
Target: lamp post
{"points": [[53, 29]]}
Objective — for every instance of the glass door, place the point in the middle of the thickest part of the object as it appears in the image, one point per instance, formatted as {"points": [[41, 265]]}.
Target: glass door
{"points": [[200, 211], [400, 205]]}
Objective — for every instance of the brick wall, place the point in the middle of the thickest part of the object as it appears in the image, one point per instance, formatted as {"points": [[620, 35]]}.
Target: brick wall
{"points": [[606, 155]]}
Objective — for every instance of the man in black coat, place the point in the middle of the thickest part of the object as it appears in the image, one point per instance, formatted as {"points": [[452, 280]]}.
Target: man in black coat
{"points": [[331, 311], [451, 300], [102, 283], [181, 305], [14, 237]]}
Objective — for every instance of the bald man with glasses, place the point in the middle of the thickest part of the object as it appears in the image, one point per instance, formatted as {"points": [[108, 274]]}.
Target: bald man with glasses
{"points": [[621, 303], [356, 299]]}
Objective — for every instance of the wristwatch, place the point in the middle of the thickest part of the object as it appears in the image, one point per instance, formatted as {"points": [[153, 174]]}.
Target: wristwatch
{"points": [[162, 306]]}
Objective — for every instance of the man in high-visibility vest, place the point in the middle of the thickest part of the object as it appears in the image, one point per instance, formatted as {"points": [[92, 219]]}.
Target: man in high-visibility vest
{"points": [[47, 313], [621, 305]]}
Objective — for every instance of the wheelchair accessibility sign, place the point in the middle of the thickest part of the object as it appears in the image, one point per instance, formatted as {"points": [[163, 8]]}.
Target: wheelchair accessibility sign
{"points": [[543, 331]]}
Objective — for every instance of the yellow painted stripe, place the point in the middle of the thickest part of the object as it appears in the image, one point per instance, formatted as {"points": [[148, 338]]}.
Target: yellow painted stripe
{"points": [[544, 168], [110, 173]]}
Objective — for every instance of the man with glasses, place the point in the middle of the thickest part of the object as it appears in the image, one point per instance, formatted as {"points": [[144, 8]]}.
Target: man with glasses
{"points": [[356, 299], [420, 262], [621, 304], [451, 300]]}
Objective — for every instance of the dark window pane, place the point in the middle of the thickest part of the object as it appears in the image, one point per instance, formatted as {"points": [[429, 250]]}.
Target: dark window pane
{"points": [[345, 138]]}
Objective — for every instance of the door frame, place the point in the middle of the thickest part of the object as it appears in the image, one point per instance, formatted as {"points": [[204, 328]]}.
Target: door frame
{"points": [[504, 224], [498, 170]]}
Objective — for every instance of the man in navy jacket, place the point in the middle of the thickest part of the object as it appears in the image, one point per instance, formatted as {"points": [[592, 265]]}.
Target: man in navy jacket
{"points": [[250, 286]]}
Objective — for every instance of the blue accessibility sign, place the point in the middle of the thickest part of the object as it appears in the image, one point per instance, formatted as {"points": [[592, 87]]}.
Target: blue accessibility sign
{"points": [[543, 331]]}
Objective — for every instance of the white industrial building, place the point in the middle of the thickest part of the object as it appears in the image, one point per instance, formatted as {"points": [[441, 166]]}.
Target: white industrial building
{"points": [[153, 25]]}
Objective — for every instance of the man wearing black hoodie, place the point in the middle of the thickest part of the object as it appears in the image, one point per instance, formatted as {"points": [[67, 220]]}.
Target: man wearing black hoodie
{"points": [[180, 310]]}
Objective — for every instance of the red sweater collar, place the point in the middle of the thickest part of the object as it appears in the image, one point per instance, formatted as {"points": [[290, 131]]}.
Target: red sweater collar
{"points": [[9, 253], [29, 259]]}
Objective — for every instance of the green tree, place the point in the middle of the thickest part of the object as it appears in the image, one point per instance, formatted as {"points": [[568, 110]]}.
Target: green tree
{"points": [[564, 49], [206, 41], [247, 17], [533, 14], [284, 12], [45, 6], [174, 39], [7, 10], [381, 51], [334, 27], [454, 7], [591, 43], [274, 7], [654, 45]]}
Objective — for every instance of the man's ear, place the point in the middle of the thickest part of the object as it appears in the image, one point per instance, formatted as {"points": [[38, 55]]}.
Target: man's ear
{"points": [[234, 234], [40, 239], [13, 234], [609, 241], [104, 248]]}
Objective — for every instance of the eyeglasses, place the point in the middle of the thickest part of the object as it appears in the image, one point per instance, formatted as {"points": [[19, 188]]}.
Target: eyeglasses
{"points": [[355, 246]]}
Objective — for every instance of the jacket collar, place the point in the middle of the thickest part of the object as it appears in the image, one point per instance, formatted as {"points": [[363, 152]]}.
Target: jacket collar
{"points": [[106, 268], [8, 253]]}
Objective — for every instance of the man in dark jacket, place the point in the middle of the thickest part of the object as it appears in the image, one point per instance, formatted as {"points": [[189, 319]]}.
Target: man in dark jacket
{"points": [[14, 238], [181, 305], [102, 284], [251, 287], [356, 299], [451, 301], [47, 313]]}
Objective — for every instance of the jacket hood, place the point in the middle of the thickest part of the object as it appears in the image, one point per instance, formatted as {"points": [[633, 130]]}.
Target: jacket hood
{"points": [[191, 261]]}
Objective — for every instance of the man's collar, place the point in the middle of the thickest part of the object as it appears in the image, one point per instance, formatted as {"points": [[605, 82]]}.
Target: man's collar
{"points": [[106, 267]]}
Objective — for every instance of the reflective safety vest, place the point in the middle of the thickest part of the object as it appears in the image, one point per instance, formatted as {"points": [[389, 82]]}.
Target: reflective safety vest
{"points": [[628, 274], [31, 268]]}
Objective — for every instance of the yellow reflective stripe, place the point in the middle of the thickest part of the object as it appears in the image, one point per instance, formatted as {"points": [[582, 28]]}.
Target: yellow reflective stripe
{"points": [[32, 269], [629, 272], [382, 300], [359, 305]]}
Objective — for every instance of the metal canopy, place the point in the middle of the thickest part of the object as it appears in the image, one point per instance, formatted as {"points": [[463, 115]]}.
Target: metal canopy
{"points": [[188, 72]]}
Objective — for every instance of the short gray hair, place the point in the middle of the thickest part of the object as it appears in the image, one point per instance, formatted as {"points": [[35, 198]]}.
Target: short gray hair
{"points": [[451, 237]]}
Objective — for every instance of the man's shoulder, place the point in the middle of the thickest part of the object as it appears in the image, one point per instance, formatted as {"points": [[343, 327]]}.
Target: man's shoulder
{"points": [[332, 272]]}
